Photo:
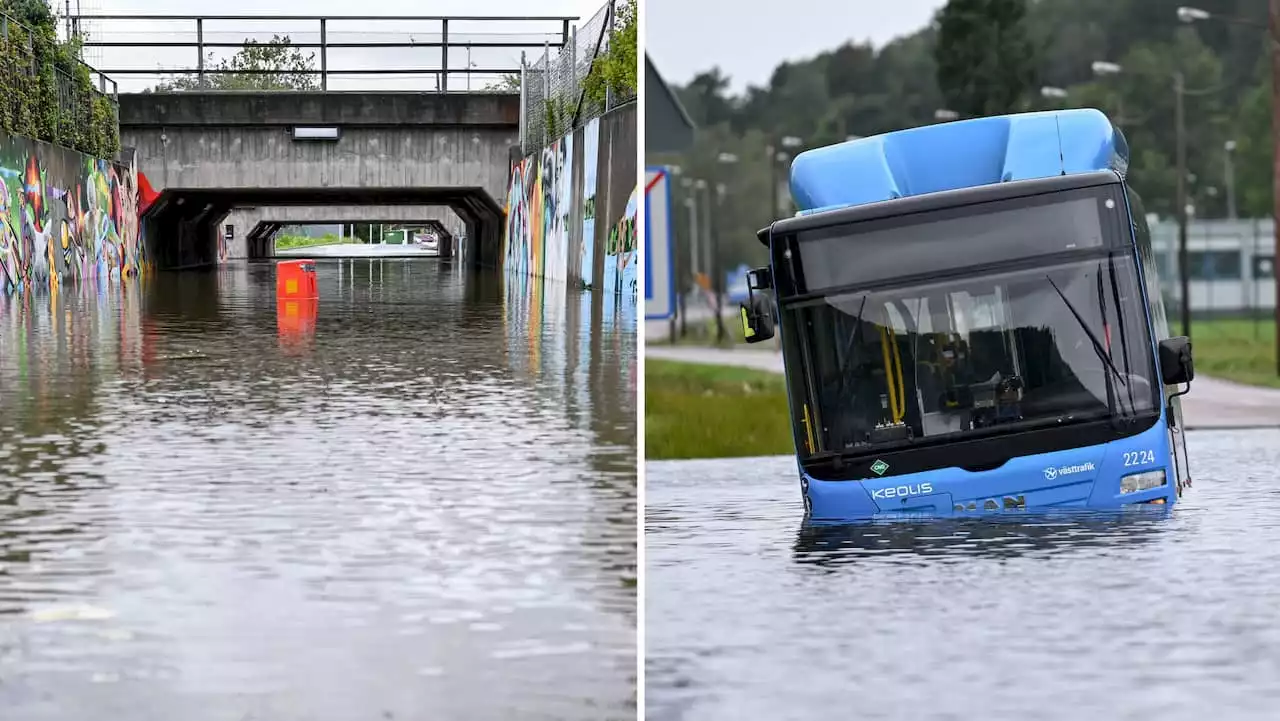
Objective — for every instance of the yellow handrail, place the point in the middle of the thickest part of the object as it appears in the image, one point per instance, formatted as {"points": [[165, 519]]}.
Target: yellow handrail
{"points": [[892, 372], [808, 427], [902, 390]]}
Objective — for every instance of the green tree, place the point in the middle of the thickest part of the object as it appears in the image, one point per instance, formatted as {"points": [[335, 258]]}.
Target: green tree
{"points": [[615, 70], [1252, 132], [508, 83], [706, 98], [58, 102], [986, 62], [272, 65]]}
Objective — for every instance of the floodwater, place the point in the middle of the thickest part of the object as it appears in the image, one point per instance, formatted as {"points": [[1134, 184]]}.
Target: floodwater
{"points": [[1152, 614], [415, 499]]}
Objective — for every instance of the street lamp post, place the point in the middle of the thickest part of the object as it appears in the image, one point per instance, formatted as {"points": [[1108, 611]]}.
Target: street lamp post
{"points": [[1229, 177], [693, 186], [677, 319], [1274, 28], [704, 247], [717, 277], [1102, 67], [778, 162], [1050, 92], [1180, 135]]}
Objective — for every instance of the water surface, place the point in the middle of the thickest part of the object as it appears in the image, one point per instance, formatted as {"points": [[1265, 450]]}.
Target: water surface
{"points": [[1144, 615], [414, 500]]}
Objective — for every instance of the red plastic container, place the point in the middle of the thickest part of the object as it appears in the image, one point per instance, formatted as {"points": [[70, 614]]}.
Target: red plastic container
{"points": [[296, 279]]}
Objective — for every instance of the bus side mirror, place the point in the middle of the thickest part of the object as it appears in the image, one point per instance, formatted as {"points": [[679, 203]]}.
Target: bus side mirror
{"points": [[757, 320], [1176, 364]]}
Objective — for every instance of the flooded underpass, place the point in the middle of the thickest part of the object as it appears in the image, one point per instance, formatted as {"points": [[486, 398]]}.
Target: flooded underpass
{"points": [[413, 500], [1149, 614]]}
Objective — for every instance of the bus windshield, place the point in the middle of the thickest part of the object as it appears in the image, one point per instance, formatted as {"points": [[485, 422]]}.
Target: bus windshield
{"points": [[1032, 317]]}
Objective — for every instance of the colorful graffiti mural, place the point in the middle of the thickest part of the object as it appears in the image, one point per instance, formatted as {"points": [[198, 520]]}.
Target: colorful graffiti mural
{"points": [[565, 209], [65, 217], [620, 251], [523, 220], [590, 170], [538, 212]]}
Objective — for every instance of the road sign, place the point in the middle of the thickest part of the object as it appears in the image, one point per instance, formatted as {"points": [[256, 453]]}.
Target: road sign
{"points": [[659, 268]]}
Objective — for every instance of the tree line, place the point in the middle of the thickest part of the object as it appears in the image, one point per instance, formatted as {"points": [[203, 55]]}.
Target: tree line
{"points": [[983, 57]]}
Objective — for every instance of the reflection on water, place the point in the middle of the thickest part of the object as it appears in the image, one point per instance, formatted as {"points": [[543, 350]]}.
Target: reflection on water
{"points": [[413, 499], [1142, 614], [946, 540]]}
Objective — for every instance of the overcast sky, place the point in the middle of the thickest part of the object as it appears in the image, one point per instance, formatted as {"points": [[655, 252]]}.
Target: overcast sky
{"points": [[685, 37], [459, 32]]}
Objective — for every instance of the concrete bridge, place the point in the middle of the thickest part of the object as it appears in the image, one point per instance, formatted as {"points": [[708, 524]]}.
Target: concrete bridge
{"points": [[207, 153]]}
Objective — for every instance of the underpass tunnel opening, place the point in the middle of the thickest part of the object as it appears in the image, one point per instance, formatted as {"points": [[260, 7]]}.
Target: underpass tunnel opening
{"points": [[409, 234], [200, 228]]}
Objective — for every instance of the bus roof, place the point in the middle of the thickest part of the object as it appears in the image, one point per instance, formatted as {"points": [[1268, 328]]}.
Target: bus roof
{"points": [[960, 154]]}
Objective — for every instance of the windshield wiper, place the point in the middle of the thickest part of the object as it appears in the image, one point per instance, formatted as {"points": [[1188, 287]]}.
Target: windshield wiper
{"points": [[1097, 346], [1124, 341]]}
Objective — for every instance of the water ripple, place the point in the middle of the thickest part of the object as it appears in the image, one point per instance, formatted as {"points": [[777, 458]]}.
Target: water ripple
{"points": [[1150, 613], [423, 509]]}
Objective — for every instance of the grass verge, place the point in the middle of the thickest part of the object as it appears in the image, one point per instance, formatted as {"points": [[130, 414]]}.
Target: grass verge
{"points": [[1236, 350], [706, 411], [703, 333], [284, 242]]}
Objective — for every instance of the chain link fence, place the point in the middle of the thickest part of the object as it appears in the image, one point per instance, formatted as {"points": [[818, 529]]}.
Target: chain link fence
{"points": [[556, 94]]}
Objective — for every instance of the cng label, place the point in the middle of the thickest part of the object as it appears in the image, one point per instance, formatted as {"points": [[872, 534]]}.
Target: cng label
{"points": [[879, 467]]}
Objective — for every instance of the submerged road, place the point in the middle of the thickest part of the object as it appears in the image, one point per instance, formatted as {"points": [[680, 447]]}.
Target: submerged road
{"points": [[753, 615], [1212, 402], [414, 499]]}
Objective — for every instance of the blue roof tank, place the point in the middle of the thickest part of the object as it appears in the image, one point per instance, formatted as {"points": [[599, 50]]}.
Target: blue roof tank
{"points": [[959, 154]]}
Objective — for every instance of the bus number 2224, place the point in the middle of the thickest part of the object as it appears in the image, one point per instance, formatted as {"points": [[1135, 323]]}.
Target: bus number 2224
{"points": [[1139, 458]]}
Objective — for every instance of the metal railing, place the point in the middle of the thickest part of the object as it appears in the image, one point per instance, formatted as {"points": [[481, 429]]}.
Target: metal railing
{"points": [[329, 53], [553, 95], [60, 109]]}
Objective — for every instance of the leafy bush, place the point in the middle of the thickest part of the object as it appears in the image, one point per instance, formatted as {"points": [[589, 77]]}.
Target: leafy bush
{"points": [[615, 70], [48, 92]]}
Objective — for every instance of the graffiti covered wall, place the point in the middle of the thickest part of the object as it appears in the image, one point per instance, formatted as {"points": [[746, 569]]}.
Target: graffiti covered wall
{"points": [[617, 203], [571, 208], [65, 217]]}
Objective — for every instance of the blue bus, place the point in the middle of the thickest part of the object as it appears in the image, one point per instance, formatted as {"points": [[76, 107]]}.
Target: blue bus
{"points": [[971, 322]]}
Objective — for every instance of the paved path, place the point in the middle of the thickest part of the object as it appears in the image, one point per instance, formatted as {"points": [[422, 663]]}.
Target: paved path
{"points": [[1212, 402], [357, 250]]}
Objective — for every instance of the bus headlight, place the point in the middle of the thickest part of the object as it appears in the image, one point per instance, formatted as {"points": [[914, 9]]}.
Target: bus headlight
{"points": [[1145, 481]]}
